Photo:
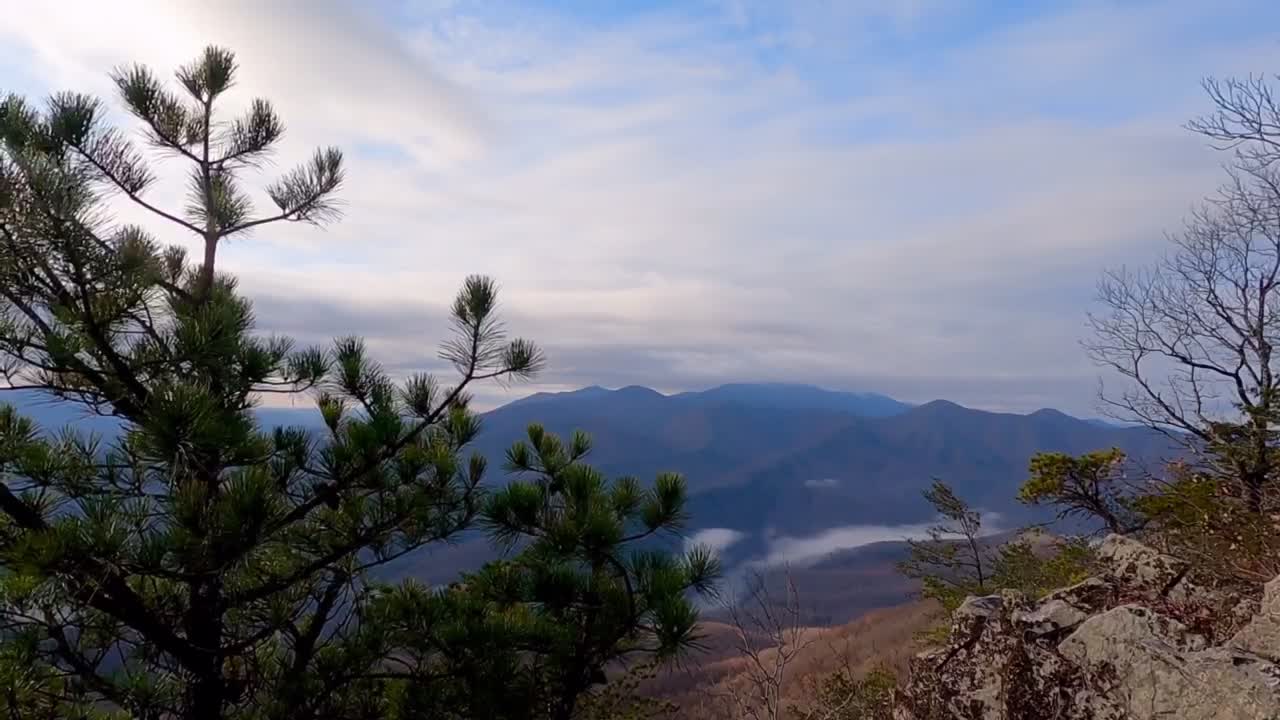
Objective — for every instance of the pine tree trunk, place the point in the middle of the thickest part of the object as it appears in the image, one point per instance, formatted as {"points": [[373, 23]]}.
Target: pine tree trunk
{"points": [[206, 695], [207, 271], [207, 692], [1253, 486]]}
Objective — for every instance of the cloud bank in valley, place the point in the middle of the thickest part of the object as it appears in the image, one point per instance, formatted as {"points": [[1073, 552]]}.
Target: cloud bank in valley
{"points": [[800, 551]]}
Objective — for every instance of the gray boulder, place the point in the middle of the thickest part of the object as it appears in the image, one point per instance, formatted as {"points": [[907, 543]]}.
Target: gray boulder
{"points": [[1154, 667], [1113, 647], [1050, 617], [1261, 636], [1091, 595], [1132, 566]]}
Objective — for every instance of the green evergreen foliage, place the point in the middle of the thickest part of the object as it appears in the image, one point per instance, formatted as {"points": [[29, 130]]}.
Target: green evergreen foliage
{"points": [[586, 590], [202, 567], [955, 561], [1093, 486], [1195, 516], [952, 563], [1037, 570]]}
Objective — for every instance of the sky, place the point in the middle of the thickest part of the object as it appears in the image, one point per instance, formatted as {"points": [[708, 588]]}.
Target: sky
{"points": [[913, 197]]}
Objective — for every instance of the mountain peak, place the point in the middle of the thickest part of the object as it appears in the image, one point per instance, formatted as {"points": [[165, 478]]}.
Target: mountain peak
{"points": [[936, 406], [590, 391], [776, 385], [797, 396], [638, 391]]}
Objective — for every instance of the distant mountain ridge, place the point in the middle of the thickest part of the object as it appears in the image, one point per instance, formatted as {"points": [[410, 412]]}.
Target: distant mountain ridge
{"points": [[873, 469], [795, 461], [711, 436], [792, 472], [756, 395]]}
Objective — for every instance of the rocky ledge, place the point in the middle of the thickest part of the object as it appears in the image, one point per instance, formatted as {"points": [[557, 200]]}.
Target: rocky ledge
{"points": [[1139, 641]]}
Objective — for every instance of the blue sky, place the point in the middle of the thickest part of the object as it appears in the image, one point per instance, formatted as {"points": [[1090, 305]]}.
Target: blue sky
{"points": [[908, 196]]}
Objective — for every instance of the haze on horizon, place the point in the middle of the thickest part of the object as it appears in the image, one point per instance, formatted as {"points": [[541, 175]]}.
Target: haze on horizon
{"points": [[912, 197]]}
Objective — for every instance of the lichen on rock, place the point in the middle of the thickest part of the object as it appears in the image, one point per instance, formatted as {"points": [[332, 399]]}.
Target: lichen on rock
{"points": [[1110, 648]]}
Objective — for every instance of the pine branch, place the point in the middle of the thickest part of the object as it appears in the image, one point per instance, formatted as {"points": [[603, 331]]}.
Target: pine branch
{"points": [[103, 589], [304, 195], [133, 194], [163, 114], [251, 137]]}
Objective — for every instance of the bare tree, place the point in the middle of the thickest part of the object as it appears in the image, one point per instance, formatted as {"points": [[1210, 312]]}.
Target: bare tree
{"points": [[769, 635], [1195, 333], [1246, 119]]}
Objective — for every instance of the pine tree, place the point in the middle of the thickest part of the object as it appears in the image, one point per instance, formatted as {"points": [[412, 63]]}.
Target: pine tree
{"points": [[200, 566], [1093, 487], [592, 589], [953, 562], [957, 561]]}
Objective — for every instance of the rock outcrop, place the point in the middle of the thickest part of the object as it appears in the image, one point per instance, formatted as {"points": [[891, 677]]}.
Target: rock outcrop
{"points": [[1140, 641]]}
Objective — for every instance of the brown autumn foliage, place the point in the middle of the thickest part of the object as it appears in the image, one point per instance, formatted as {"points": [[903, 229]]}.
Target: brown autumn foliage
{"points": [[885, 637]]}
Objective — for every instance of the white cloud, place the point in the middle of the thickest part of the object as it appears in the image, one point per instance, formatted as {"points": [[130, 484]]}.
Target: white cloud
{"points": [[822, 483], [336, 72], [717, 540], [661, 204], [802, 551]]}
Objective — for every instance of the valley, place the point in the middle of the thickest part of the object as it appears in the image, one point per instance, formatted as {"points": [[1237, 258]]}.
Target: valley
{"points": [[824, 483]]}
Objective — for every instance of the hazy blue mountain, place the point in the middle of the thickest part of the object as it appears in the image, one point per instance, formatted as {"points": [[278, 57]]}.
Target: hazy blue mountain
{"points": [[872, 471], [54, 415], [590, 394], [802, 471], [792, 457], [1107, 422], [712, 438], [797, 397], [772, 463], [754, 395]]}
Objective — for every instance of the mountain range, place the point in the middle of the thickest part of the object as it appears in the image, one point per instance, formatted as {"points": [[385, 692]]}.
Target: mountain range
{"points": [[776, 473], [784, 468]]}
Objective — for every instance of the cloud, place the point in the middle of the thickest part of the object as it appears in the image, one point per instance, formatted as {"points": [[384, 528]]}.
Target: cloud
{"points": [[912, 197], [803, 551], [717, 540], [332, 69], [822, 483], [832, 27]]}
